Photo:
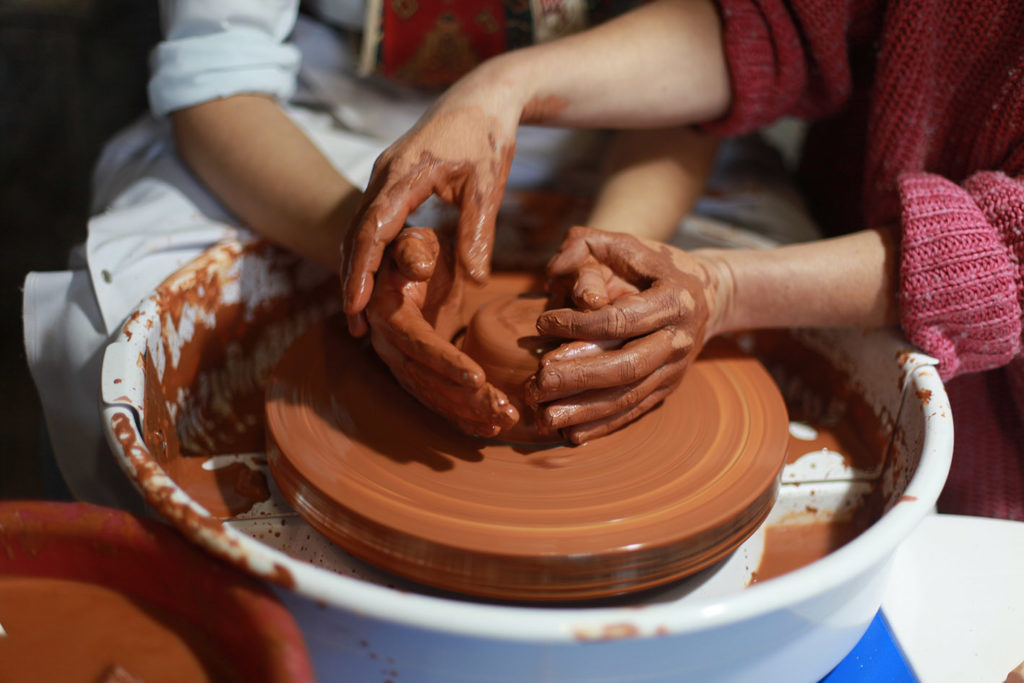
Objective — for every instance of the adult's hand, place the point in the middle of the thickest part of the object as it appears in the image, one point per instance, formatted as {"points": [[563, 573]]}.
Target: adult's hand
{"points": [[413, 313], [655, 300], [461, 151]]}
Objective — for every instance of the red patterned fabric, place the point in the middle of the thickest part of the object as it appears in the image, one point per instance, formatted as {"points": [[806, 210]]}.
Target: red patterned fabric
{"points": [[431, 43], [919, 123]]}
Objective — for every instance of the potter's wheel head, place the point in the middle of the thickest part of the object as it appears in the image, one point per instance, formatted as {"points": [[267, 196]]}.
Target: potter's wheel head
{"points": [[396, 485]]}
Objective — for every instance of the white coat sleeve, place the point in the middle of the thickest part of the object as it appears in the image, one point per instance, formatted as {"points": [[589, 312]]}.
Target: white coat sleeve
{"points": [[218, 48]]}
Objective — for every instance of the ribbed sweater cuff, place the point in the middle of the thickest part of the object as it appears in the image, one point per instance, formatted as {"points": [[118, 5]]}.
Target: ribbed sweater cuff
{"points": [[960, 279]]}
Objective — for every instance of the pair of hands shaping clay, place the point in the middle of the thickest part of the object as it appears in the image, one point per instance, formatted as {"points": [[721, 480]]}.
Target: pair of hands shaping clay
{"points": [[623, 321], [632, 316]]}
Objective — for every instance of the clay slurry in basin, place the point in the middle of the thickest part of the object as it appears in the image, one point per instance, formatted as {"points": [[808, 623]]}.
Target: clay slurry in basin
{"points": [[63, 630], [396, 485]]}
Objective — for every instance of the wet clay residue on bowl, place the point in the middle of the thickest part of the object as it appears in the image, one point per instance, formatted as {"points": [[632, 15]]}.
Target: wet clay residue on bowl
{"points": [[223, 321], [398, 486]]}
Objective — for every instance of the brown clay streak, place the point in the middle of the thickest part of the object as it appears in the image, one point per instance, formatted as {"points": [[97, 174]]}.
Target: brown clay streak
{"points": [[543, 109]]}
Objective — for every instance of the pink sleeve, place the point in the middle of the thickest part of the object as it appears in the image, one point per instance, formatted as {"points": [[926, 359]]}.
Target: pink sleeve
{"points": [[961, 285], [785, 57]]}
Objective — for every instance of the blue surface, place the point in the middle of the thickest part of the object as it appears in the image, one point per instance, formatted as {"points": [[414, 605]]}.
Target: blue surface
{"points": [[877, 657]]}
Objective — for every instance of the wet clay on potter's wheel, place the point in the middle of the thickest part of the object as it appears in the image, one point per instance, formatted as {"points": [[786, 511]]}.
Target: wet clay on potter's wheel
{"points": [[502, 338], [398, 486]]}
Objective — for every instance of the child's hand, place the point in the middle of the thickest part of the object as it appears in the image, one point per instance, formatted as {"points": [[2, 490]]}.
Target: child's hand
{"points": [[413, 313], [654, 299]]}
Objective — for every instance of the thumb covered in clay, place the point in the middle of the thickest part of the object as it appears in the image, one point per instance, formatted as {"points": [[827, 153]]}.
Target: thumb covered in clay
{"points": [[412, 315], [416, 252], [654, 300]]}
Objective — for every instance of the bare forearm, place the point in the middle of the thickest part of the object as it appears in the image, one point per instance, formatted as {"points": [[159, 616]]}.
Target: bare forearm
{"points": [[658, 66], [265, 169], [846, 281], [652, 179]]}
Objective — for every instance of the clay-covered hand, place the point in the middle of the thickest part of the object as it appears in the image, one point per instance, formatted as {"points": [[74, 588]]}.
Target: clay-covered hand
{"points": [[640, 316], [412, 315], [459, 152]]}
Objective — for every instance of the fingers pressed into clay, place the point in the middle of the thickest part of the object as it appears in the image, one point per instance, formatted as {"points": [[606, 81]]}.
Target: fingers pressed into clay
{"points": [[601, 404]]}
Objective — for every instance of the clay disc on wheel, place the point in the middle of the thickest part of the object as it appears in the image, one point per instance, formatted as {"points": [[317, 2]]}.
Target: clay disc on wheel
{"points": [[398, 486]]}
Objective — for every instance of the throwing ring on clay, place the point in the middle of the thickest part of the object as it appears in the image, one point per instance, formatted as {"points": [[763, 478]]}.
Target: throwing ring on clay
{"points": [[398, 486]]}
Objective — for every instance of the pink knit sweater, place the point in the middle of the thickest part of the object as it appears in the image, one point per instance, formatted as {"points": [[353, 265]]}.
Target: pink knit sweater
{"points": [[919, 123]]}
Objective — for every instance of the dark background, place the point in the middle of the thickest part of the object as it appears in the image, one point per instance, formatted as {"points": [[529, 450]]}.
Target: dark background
{"points": [[72, 72]]}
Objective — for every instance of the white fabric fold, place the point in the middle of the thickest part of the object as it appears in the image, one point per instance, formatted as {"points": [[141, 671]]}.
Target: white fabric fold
{"points": [[218, 49]]}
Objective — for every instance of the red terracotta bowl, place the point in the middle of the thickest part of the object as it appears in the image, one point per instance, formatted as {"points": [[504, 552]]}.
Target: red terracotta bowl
{"points": [[148, 561]]}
